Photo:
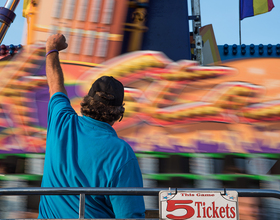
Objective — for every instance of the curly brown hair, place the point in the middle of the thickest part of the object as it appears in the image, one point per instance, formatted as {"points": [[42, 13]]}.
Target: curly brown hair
{"points": [[99, 111]]}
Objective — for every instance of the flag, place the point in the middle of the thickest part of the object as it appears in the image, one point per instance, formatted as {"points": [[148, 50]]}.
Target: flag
{"points": [[250, 8]]}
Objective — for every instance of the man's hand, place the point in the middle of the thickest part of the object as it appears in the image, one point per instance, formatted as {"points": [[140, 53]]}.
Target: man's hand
{"points": [[56, 42]]}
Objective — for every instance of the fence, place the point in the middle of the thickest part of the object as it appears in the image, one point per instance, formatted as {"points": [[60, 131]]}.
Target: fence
{"points": [[124, 191]]}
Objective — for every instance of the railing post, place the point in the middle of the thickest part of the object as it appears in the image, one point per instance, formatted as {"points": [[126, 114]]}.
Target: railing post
{"points": [[82, 206]]}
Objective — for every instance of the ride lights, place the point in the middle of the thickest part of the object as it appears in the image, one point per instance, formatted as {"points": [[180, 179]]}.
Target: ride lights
{"points": [[252, 49], [278, 49], [260, 49], [234, 49], [243, 49], [3, 50], [226, 49], [269, 49], [11, 49]]}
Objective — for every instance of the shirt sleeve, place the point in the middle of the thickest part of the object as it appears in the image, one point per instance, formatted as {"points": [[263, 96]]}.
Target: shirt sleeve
{"points": [[128, 206], [59, 104]]}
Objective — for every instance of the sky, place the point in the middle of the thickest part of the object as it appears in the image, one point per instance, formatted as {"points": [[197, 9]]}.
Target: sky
{"points": [[222, 14], [224, 17]]}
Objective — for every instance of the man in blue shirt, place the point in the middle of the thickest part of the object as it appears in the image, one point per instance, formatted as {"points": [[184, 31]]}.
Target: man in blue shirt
{"points": [[85, 151]]}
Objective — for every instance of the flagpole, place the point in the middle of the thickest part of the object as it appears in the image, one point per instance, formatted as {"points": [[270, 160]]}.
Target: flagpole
{"points": [[239, 24], [239, 31]]}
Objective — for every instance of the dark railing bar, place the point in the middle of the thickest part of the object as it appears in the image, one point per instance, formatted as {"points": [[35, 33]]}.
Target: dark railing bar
{"points": [[127, 191]]}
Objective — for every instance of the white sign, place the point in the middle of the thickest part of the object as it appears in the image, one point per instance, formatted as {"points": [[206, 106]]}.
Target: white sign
{"points": [[198, 205]]}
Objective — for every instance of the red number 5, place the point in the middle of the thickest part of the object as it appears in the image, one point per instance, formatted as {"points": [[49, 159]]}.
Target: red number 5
{"points": [[172, 205]]}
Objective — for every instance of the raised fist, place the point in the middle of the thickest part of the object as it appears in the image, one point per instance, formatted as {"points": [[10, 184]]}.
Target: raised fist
{"points": [[56, 42]]}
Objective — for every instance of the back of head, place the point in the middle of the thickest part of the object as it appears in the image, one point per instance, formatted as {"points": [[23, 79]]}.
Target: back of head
{"points": [[104, 101], [112, 89]]}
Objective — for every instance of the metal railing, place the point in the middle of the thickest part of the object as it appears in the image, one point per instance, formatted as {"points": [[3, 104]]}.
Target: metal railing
{"points": [[125, 191]]}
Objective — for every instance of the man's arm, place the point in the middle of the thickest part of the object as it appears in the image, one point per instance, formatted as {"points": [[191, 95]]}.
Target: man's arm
{"points": [[53, 69]]}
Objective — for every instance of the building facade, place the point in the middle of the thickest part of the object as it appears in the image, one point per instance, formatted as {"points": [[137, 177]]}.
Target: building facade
{"points": [[93, 28]]}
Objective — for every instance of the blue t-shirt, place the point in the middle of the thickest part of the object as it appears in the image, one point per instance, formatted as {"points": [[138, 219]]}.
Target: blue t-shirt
{"points": [[83, 152]]}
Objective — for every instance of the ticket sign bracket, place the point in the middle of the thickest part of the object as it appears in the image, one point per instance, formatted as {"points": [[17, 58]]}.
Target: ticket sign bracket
{"points": [[197, 204]]}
